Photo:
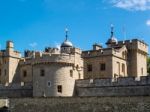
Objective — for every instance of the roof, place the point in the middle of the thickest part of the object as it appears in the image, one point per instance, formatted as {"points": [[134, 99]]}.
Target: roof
{"points": [[66, 43]]}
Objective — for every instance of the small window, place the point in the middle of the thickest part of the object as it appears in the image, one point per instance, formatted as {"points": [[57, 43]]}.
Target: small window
{"points": [[77, 67], [123, 68], [123, 54], [89, 67], [59, 88], [42, 73], [102, 67], [71, 73], [5, 72], [4, 61], [142, 71], [49, 83], [0, 72], [24, 73], [79, 76]]}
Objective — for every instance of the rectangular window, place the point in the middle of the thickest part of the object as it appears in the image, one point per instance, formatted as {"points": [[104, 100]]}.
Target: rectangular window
{"points": [[71, 73], [118, 64], [5, 72], [24, 73], [59, 88], [0, 72], [89, 67], [123, 68], [42, 73], [102, 67], [142, 71], [4, 61]]}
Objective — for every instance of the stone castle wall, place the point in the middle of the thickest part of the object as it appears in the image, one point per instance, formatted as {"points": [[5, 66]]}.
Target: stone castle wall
{"points": [[55, 75], [45, 58], [120, 87], [16, 91], [81, 104]]}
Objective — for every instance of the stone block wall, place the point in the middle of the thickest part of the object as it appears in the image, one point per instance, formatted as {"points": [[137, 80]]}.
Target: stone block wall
{"points": [[81, 104], [120, 87], [15, 91]]}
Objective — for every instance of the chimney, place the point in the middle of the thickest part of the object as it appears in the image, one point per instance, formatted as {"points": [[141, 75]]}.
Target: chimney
{"points": [[97, 46]]}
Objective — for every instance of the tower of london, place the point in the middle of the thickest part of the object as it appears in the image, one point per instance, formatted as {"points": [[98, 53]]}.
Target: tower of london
{"points": [[68, 70]]}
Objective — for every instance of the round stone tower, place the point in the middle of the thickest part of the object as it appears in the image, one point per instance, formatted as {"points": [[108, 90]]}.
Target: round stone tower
{"points": [[54, 74]]}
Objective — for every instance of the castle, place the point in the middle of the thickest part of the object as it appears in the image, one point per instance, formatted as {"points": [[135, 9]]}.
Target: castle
{"points": [[55, 72], [120, 59]]}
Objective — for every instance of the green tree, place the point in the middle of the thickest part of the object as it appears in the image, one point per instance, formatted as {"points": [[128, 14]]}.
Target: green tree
{"points": [[148, 65]]}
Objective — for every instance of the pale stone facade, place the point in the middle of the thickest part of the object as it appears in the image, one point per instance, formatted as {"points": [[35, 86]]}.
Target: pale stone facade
{"points": [[54, 71], [51, 73], [120, 59], [9, 60]]}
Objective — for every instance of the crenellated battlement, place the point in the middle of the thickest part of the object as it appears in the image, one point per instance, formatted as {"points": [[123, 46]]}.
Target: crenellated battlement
{"points": [[52, 50], [127, 86], [122, 81], [100, 52], [49, 58], [76, 51], [134, 44]]}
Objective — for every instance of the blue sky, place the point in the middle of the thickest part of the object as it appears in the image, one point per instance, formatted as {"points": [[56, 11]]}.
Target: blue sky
{"points": [[34, 24]]}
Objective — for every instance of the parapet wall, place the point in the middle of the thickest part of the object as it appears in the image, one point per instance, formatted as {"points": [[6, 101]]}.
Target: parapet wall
{"points": [[125, 81], [108, 87], [51, 58], [135, 44], [15, 91]]}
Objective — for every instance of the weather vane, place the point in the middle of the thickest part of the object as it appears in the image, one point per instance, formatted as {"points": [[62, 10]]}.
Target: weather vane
{"points": [[66, 31], [112, 30]]}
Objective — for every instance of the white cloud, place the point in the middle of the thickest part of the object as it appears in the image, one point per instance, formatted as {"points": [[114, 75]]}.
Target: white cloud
{"points": [[148, 22], [33, 45], [132, 5]]}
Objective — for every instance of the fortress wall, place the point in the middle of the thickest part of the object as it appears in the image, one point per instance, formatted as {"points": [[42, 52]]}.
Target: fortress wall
{"points": [[121, 87], [56, 75], [81, 104], [114, 91], [15, 93], [16, 90], [95, 53], [50, 58], [124, 81], [135, 44]]}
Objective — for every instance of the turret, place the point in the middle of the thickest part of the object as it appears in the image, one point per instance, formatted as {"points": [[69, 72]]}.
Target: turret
{"points": [[97, 46], [112, 40], [9, 47], [66, 46], [11, 59]]}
